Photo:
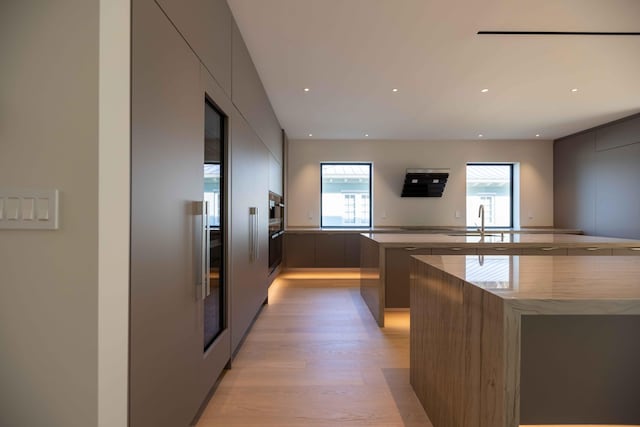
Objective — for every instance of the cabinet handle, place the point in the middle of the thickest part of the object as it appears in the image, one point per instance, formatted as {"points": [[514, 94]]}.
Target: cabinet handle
{"points": [[593, 249], [455, 249], [549, 249], [634, 249], [410, 248], [254, 244], [500, 249]]}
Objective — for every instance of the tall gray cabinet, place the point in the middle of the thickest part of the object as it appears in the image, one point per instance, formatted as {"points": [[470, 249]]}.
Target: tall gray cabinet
{"points": [[596, 179], [182, 53]]}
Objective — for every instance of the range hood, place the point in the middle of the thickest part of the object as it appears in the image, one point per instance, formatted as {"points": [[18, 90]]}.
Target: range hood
{"points": [[425, 182]]}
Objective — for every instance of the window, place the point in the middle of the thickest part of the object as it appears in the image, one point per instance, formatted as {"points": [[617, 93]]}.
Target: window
{"points": [[345, 194], [490, 185]]}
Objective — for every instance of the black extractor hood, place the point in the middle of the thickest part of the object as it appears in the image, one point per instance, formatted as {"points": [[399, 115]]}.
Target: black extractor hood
{"points": [[425, 182]]}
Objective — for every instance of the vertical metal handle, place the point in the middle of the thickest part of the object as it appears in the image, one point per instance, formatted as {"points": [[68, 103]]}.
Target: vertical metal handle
{"points": [[207, 252], [253, 233], [203, 252]]}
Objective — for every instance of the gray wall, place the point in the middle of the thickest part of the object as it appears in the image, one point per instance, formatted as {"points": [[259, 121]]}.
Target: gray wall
{"points": [[596, 180], [49, 280]]}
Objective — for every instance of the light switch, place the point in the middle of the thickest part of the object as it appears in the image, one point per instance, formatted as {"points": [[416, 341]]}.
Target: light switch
{"points": [[28, 204], [28, 209], [42, 209], [13, 206]]}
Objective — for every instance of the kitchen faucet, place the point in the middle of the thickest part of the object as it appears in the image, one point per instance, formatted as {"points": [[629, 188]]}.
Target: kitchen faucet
{"points": [[481, 215]]}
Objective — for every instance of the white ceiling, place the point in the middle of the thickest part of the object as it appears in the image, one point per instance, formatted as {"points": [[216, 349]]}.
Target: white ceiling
{"points": [[352, 53]]}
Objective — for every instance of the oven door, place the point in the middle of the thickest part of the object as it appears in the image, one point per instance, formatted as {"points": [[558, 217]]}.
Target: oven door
{"points": [[275, 249]]}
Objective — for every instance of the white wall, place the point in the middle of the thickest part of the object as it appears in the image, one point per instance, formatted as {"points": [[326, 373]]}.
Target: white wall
{"points": [[49, 279], [391, 158]]}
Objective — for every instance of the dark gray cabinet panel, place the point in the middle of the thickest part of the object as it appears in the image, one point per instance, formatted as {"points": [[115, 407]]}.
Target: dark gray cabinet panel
{"points": [[352, 250], [167, 153], [206, 25], [330, 250], [249, 96], [397, 268], [618, 134], [249, 263], [300, 250], [618, 192], [574, 178]]}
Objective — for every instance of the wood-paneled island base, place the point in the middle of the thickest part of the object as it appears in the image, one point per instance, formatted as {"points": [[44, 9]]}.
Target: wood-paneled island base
{"points": [[499, 341], [385, 257]]}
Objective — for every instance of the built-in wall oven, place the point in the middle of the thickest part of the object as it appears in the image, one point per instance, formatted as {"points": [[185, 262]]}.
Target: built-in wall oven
{"points": [[276, 229]]}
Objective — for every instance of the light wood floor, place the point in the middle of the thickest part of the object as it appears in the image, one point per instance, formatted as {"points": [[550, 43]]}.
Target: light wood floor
{"points": [[315, 357]]}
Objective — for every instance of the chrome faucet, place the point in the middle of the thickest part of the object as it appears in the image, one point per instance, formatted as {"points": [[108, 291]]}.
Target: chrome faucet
{"points": [[481, 216]]}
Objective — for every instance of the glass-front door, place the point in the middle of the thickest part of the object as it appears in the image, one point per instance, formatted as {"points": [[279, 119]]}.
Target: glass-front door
{"points": [[214, 301]]}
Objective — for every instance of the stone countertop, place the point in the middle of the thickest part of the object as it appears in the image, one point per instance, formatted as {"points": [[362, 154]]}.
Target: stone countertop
{"points": [[548, 278], [431, 230], [492, 239]]}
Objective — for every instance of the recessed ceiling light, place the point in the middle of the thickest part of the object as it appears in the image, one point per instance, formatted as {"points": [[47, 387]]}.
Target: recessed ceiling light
{"points": [[537, 135], [310, 134], [306, 89], [366, 134], [575, 89], [480, 135], [484, 90], [394, 90]]}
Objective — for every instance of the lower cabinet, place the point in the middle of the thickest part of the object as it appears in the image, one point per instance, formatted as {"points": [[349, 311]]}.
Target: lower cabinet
{"points": [[397, 267], [322, 250]]}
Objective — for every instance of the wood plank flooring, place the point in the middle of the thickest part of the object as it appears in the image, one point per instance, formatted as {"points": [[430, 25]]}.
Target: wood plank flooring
{"points": [[315, 357]]}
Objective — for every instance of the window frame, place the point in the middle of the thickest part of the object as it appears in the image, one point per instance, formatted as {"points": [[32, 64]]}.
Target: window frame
{"points": [[348, 226], [511, 191]]}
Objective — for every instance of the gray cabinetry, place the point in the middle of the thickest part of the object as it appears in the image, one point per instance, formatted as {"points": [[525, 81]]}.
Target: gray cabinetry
{"points": [[397, 268], [321, 250], [618, 178], [574, 165], [330, 250], [250, 259], [249, 96], [206, 25], [300, 250], [352, 250], [170, 375]]}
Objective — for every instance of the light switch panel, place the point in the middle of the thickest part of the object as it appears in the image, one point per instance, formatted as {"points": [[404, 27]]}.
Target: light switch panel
{"points": [[28, 209]]}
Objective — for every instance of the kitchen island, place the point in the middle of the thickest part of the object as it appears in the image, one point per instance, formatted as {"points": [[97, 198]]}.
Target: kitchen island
{"points": [[500, 341], [385, 257]]}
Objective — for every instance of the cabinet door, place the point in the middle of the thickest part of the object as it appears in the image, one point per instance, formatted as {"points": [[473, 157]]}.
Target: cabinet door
{"points": [[167, 153], [618, 207], [626, 251], [454, 250], [499, 250], [299, 250], [595, 250], [330, 250], [206, 25], [249, 227], [545, 250], [574, 181], [397, 269], [352, 250]]}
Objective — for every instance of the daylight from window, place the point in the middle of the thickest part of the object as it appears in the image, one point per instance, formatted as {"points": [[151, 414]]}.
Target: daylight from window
{"points": [[346, 195], [212, 192], [489, 185]]}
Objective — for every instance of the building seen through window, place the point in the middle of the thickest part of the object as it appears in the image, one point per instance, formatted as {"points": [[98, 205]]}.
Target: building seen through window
{"points": [[346, 194], [490, 185]]}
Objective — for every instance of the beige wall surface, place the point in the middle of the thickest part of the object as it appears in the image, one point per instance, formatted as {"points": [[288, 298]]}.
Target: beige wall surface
{"points": [[49, 279], [391, 158]]}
